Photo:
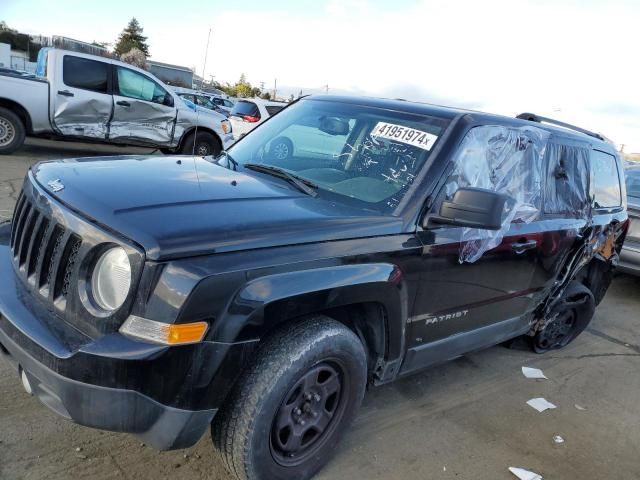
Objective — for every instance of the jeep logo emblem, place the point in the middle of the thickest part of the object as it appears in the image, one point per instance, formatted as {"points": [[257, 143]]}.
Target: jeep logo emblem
{"points": [[55, 185]]}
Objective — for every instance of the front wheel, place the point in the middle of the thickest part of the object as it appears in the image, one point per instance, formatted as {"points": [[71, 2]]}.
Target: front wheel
{"points": [[201, 144], [288, 411]]}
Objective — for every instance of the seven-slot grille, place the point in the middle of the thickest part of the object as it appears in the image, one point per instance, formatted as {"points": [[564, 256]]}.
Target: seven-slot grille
{"points": [[44, 253]]}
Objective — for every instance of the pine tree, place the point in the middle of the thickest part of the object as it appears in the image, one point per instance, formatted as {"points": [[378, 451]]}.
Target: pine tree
{"points": [[131, 37]]}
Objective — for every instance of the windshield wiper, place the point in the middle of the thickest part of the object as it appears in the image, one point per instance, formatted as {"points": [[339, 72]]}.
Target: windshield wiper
{"points": [[231, 162], [304, 185]]}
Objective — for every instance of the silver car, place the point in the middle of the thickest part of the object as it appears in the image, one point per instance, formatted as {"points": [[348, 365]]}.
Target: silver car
{"points": [[630, 256]]}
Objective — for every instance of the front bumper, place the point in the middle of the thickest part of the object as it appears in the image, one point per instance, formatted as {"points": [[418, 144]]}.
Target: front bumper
{"points": [[114, 409], [167, 396], [228, 140], [630, 258]]}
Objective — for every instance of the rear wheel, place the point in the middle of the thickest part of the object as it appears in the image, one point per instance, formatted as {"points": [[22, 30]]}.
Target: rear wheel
{"points": [[12, 132], [201, 144], [567, 319], [288, 411]]}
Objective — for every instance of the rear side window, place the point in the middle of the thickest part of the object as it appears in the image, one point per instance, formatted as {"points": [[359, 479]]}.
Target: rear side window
{"points": [[567, 180], [243, 108], [273, 109], [85, 74], [605, 181]]}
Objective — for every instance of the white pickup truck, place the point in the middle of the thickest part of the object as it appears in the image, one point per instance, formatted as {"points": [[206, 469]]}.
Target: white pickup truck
{"points": [[91, 98]]}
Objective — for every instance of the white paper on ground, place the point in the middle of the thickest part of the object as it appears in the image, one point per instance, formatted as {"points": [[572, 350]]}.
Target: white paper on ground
{"points": [[540, 404], [579, 407], [558, 439], [523, 474], [532, 372]]}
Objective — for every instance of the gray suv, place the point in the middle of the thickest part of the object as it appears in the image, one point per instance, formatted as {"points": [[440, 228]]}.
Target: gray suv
{"points": [[630, 255]]}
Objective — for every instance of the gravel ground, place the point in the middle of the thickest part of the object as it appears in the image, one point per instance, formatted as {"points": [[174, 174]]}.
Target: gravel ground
{"points": [[463, 420]]}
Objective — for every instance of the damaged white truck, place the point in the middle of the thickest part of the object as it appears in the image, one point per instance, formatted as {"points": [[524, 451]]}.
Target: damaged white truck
{"points": [[75, 96]]}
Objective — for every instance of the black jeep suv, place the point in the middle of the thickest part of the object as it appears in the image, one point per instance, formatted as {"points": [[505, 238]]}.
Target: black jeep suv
{"points": [[261, 291]]}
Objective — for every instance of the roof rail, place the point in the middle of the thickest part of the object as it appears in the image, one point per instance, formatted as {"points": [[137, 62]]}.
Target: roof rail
{"points": [[532, 117]]}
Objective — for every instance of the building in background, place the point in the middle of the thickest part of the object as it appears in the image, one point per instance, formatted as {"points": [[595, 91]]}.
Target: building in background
{"points": [[172, 74]]}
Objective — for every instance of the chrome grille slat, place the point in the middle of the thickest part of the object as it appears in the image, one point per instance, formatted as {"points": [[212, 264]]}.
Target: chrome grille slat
{"points": [[56, 260], [35, 245], [48, 266], [24, 211], [46, 238], [65, 266], [16, 217], [27, 236]]}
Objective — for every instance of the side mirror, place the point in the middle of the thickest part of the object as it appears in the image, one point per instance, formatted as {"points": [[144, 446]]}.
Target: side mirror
{"points": [[334, 126], [168, 100], [474, 208]]}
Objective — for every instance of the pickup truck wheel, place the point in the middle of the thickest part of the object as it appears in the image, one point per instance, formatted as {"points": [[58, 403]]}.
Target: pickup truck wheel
{"points": [[568, 318], [289, 409], [205, 144], [12, 132]]}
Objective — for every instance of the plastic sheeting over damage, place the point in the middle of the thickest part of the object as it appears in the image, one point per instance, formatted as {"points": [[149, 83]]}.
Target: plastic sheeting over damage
{"points": [[522, 163]]}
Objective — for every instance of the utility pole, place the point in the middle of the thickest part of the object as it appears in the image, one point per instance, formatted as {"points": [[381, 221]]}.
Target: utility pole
{"points": [[326, 89], [275, 87]]}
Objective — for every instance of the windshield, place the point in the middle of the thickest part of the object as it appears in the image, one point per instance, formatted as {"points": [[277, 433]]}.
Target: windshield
{"points": [[359, 155], [633, 182]]}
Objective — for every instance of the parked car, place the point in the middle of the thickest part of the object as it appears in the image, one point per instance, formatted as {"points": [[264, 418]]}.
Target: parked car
{"points": [[262, 295], [630, 256], [91, 98], [224, 103], [248, 113], [204, 101]]}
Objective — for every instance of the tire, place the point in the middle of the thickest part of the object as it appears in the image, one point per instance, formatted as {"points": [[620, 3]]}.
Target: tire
{"points": [[12, 132], [281, 149], [293, 375], [568, 318], [205, 144]]}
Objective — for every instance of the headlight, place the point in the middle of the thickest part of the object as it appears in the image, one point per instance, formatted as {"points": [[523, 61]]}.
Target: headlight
{"points": [[111, 279], [226, 126]]}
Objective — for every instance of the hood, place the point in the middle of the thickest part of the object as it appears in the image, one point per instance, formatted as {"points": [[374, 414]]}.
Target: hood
{"points": [[185, 206]]}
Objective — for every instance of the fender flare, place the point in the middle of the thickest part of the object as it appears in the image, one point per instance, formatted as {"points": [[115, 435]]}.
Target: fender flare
{"points": [[308, 291]]}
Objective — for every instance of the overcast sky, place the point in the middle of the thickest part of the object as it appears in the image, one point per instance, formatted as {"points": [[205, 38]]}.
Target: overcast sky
{"points": [[576, 60]]}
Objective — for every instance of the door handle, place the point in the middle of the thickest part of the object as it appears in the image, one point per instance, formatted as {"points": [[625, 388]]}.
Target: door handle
{"points": [[65, 93], [124, 103], [524, 245]]}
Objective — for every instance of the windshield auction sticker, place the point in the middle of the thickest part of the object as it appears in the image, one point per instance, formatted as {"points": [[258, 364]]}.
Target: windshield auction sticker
{"points": [[406, 135]]}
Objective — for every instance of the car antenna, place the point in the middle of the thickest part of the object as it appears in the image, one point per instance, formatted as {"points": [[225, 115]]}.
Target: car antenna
{"points": [[204, 66]]}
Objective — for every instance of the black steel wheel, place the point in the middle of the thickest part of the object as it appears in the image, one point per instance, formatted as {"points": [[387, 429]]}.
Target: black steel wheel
{"points": [[308, 413], [289, 410], [569, 316]]}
